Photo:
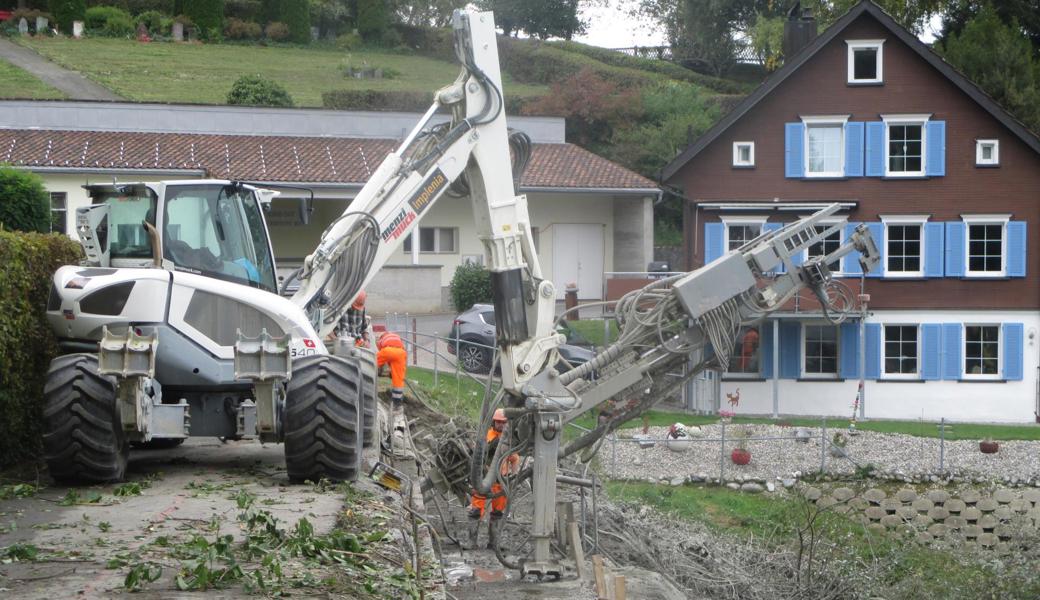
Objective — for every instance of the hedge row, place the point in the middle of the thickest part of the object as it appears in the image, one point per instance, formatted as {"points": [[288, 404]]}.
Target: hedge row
{"points": [[405, 101], [26, 342]]}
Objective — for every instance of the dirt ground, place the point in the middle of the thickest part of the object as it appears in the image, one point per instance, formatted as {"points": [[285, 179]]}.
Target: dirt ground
{"points": [[189, 489]]}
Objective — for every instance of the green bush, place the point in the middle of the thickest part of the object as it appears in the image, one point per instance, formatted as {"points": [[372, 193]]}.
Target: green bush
{"points": [[136, 7], [153, 20], [255, 90], [276, 31], [373, 19], [119, 26], [237, 29], [67, 11], [348, 41], [434, 43], [208, 16], [401, 100], [24, 203], [26, 342], [295, 15], [96, 17], [245, 10], [470, 285]]}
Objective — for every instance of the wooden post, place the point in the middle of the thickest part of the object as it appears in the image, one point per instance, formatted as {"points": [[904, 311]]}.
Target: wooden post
{"points": [[601, 578], [619, 587], [576, 550]]}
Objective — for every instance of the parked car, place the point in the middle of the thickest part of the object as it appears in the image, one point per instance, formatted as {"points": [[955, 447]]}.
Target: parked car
{"points": [[475, 331]]}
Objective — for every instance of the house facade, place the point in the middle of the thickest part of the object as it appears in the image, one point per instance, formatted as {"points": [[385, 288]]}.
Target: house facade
{"points": [[948, 184], [590, 216]]}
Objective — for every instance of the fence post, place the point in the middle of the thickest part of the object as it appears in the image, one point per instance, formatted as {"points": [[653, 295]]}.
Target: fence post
{"points": [[823, 447], [415, 342], [942, 444], [613, 452], [722, 455]]}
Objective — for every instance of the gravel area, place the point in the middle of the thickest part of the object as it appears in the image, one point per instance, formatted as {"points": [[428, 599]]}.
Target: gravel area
{"points": [[893, 456]]}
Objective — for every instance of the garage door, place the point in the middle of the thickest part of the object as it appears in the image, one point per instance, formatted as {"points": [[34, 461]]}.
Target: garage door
{"points": [[578, 258]]}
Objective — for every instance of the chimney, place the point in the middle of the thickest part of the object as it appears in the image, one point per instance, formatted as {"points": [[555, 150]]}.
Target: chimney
{"points": [[799, 30]]}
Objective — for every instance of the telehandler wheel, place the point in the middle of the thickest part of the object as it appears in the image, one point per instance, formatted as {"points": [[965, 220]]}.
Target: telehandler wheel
{"points": [[368, 396], [323, 428], [82, 439]]}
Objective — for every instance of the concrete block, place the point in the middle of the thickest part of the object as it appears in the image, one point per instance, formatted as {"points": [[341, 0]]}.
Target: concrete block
{"points": [[938, 513], [843, 494], [924, 537], [876, 528], [891, 521], [972, 531], [971, 514], [922, 505], [826, 502], [938, 529], [891, 505], [906, 495], [1003, 496], [812, 494], [970, 496], [874, 495], [1031, 495], [875, 513], [922, 521], [938, 496], [988, 540], [859, 503], [1004, 532], [956, 522], [986, 505], [1020, 505], [954, 505], [906, 513], [988, 522], [1004, 513]]}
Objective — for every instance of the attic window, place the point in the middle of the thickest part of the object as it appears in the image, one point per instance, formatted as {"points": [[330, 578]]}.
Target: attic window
{"points": [[743, 154], [865, 61], [987, 153]]}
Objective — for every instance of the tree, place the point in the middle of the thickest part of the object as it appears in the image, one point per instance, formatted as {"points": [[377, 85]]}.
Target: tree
{"points": [[1000, 59], [67, 11], [1026, 12], [373, 19], [24, 203], [295, 14], [255, 90], [538, 18], [207, 15], [426, 13], [593, 107], [330, 16]]}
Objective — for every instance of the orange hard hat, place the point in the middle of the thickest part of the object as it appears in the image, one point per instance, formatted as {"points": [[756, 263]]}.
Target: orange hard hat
{"points": [[359, 302], [500, 415]]}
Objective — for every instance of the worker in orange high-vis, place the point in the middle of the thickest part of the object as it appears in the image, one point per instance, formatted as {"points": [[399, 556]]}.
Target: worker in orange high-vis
{"points": [[391, 352], [509, 466]]}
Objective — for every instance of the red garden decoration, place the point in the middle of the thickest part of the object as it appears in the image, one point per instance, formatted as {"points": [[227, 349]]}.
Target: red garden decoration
{"points": [[989, 447], [740, 456]]}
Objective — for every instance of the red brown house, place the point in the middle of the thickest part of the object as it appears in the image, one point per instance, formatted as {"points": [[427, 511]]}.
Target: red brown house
{"points": [[866, 115]]}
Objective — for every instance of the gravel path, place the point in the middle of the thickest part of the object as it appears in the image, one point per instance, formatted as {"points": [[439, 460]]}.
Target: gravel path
{"points": [[894, 456]]}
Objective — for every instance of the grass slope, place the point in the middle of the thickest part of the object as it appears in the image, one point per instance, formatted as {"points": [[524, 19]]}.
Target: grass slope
{"points": [[18, 83], [203, 73]]}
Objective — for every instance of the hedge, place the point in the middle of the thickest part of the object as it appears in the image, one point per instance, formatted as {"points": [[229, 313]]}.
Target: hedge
{"points": [[400, 100], [295, 14], [471, 284], [208, 16], [67, 11], [24, 202], [26, 343]]}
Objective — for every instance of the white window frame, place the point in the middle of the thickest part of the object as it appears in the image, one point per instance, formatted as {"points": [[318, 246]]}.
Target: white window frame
{"points": [[824, 121], [970, 220], [841, 240], [736, 154], [805, 353], [982, 162], [914, 119], [854, 45], [885, 374], [64, 211], [1000, 352], [919, 220], [727, 221], [413, 237]]}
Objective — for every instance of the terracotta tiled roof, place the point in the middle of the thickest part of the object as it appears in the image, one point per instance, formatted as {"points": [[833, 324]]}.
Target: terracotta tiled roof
{"points": [[278, 158]]}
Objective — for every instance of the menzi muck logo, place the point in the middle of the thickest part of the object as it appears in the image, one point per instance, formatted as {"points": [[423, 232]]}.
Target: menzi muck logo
{"points": [[428, 191], [398, 225]]}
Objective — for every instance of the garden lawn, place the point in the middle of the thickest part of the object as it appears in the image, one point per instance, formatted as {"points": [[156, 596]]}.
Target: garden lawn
{"points": [[203, 73], [19, 84]]}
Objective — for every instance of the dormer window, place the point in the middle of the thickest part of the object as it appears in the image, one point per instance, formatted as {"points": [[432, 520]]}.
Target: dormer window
{"points": [[865, 61]]}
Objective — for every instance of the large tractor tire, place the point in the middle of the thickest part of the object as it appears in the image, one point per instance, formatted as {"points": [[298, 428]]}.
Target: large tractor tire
{"points": [[323, 425], [369, 398], [82, 439]]}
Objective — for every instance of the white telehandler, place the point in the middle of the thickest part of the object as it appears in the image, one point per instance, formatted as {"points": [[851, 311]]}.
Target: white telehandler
{"points": [[173, 325]]}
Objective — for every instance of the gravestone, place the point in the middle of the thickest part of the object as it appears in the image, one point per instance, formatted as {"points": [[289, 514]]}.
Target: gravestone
{"points": [[178, 32], [41, 25], [315, 33], [23, 26], [77, 29]]}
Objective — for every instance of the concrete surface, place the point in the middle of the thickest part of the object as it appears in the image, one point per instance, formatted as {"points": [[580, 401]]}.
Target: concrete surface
{"points": [[76, 86], [191, 490]]}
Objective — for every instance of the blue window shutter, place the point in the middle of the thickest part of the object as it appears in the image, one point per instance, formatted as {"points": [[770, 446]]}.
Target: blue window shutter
{"points": [[854, 149], [714, 238], [1013, 351], [935, 147], [1016, 249], [769, 227], [877, 231], [955, 234], [794, 150], [790, 349], [850, 265], [951, 351], [931, 342], [873, 349], [765, 330], [875, 146], [848, 353], [933, 249]]}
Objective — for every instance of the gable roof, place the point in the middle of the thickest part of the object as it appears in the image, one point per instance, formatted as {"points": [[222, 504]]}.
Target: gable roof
{"points": [[345, 161], [807, 53]]}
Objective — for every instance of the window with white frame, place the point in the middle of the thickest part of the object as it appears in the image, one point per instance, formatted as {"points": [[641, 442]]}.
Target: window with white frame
{"points": [[900, 352], [59, 212], [865, 61], [904, 246], [434, 240], [986, 245], [824, 146], [982, 351], [743, 154], [746, 353], [905, 145], [987, 153], [827, 245], [821, 350], [741, 231]]}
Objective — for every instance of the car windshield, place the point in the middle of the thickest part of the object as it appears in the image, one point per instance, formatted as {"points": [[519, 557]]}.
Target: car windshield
{"points": [[218, 231], [128, 208]]}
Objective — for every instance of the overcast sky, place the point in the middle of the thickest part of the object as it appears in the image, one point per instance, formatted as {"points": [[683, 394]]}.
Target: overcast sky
{"points": [[610, 26]]}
